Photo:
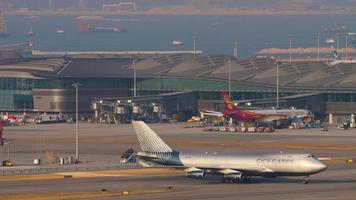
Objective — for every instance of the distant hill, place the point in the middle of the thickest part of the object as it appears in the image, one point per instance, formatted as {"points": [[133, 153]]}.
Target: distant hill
{"points": [[92, 4]]}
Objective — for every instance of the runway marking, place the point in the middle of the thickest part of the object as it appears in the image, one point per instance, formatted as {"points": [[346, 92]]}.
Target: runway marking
{"points": [[89, 195], [92, 174], [120, 173], [29, 177], [337, 160], [88, 174]]}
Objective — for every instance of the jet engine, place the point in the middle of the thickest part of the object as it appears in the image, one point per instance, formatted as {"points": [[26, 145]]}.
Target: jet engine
{"points": [[234, 177], [128, 156], [195, 173]]}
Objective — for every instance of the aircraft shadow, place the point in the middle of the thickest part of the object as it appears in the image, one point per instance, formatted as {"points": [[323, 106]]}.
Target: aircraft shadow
{"points": [[261, 180]]}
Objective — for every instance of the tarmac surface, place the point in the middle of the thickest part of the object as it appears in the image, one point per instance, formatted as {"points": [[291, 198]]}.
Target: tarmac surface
{"points": [[102, 144]]}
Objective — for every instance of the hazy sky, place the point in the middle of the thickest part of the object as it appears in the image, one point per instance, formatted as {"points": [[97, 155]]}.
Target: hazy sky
{"points": [[37, 4]]}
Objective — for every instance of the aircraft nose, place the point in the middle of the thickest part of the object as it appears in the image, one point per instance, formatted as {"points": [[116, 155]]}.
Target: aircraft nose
{"points": [[320, 166]]}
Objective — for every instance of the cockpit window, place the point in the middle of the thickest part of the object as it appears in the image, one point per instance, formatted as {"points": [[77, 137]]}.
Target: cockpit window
{"points": [[311, 156]]}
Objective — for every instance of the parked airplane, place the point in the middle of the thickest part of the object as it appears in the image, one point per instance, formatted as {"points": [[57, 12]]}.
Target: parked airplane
{"points": [[233, 168], [263, 116], [342, 61], [338, 60], [1, 131], [249, 116], [11, 120]]}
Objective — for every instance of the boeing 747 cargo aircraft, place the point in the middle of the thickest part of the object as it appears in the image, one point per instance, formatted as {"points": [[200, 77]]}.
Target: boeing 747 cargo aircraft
{"points": [[257, 116], [233, 168]]}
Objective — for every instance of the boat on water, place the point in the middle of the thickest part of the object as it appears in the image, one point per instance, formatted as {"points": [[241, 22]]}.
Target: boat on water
{"points": [[336, 29], [32, 17], [177, 43], [60, 31], [330, 40], [3, 32], [119, 30], [85, 27], [112, 29], [30, 32]]}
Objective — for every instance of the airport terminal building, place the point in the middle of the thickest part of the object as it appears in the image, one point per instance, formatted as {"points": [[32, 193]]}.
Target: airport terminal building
{"points": [[44, 83]]}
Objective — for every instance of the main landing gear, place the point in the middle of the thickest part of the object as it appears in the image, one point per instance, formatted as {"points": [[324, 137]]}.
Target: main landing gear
{"points": [[305, 180], [235, 178]]}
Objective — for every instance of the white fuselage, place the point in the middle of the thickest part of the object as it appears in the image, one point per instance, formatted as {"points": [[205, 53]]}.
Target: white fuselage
{"points": [[269, 163], [275, 164], [289, 113]]}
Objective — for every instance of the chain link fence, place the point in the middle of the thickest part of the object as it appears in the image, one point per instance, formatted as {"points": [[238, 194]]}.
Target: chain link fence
{"points": [[18, 170]]}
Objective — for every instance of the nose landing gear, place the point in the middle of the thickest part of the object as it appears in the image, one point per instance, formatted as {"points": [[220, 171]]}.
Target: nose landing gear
{"points": [[305, 180]]}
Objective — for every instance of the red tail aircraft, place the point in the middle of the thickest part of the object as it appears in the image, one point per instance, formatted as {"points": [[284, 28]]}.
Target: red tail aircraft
{"points": [[249, 116]]}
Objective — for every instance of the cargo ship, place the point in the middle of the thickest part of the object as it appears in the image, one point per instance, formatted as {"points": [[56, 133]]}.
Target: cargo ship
{"points": [[177, 43], [336, 29], [3, 32], [85, 27], [30, 33], [60, 31]]}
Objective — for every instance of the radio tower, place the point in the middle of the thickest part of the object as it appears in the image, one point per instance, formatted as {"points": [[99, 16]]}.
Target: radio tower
{"points": [[50, 4], [5, 4], [81, 4]]}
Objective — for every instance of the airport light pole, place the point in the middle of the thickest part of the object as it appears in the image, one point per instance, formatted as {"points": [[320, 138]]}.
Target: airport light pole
{"points": [[277, 85], [346, 45], [194, 43], [235, 48], [76, 86], [337, 42], [229, 78], [134, 74], [290, 47], [50, 4], [318, 45]]}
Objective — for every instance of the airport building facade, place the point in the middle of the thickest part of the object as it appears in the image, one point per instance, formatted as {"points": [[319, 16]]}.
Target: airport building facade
{"points": [[44, 83]]}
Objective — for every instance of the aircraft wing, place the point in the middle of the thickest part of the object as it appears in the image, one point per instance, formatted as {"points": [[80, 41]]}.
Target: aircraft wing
{"points": [[211, 113], [302, 116], [218, 171], [270, 118], [251, 171]]}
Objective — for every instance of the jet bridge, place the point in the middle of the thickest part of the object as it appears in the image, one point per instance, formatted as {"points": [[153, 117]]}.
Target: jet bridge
{"points": [[149, 108]]}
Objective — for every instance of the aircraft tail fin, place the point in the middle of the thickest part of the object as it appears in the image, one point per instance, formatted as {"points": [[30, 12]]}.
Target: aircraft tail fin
{"points": [[149, 140], [229, 104], [335, 55]]}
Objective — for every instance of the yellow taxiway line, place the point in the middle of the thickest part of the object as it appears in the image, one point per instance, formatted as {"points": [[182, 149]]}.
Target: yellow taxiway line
{"points": [[93, 174], [89, 195]]}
